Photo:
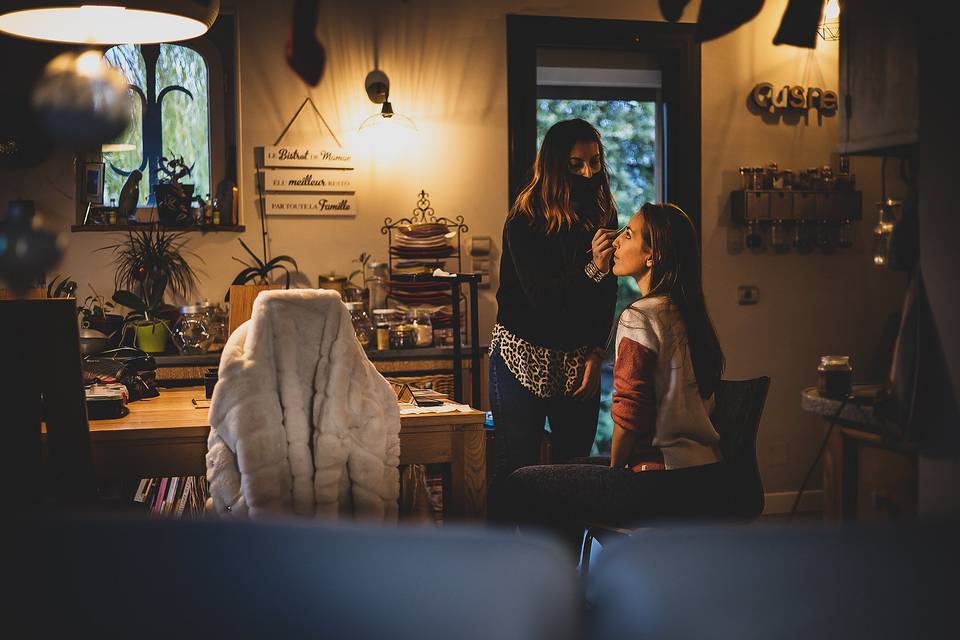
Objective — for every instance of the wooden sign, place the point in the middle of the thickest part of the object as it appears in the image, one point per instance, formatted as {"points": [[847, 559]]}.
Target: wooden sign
{"points": [[307, 204], [304, 156], [796, 98], [308, 180]]}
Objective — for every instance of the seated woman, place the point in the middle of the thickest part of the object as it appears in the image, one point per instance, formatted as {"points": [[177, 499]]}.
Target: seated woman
{"points": [[665, 458]]}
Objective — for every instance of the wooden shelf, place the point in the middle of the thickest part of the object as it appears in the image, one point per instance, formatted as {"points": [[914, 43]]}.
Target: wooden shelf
{"points": [[108, 228]]}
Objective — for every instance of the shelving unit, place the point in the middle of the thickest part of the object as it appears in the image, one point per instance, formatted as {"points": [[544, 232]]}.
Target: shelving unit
{"points": [[767, 205], [113, 228]]}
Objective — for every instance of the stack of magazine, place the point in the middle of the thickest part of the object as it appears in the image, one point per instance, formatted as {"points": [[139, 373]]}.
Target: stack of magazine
{"points": [[177, 496]]}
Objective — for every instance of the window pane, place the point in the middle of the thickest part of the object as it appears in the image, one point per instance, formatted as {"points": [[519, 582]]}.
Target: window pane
{"points": [[127, 58], [186, 130]]}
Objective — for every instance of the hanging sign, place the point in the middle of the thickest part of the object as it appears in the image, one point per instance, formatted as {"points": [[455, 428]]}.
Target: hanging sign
{"points": [[308, 180], [306, 204], [304, 156], [795, 98]]}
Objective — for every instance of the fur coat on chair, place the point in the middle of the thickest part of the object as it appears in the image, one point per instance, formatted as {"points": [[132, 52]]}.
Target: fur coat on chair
{"points": [[301, 421]]}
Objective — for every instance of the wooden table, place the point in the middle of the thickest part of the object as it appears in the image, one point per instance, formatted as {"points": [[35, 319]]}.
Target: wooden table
{"points": [[867, 476], [167, 436]]}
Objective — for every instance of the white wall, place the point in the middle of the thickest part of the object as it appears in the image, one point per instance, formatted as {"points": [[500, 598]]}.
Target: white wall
{"points": [[447, 66]]}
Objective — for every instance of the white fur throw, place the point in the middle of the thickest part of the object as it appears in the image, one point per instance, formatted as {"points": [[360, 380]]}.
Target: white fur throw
{"points": [[301, 421]]}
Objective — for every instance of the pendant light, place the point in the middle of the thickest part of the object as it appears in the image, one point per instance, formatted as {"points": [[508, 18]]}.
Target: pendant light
{"points": [[378, 90], [108, 22]]}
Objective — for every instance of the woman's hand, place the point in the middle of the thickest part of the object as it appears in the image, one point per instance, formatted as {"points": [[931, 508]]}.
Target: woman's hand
{"points": [[590, 384], [602, 248]]}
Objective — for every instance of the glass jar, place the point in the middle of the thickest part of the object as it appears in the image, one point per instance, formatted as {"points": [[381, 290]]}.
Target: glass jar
{"points": [[361, 323], [834, 377], [216, 323], [756, 178], [746, 178], [754, 237], [376, 284], [423, 326], [191, 333], [845, 233], [383, 321], [403, 336]]}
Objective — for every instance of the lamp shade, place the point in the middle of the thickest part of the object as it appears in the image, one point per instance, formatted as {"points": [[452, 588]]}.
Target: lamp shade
{"points": [[109, 21]]}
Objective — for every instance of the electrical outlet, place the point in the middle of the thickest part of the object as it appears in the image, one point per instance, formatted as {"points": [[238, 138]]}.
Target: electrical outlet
{"points": [[748, 294]]}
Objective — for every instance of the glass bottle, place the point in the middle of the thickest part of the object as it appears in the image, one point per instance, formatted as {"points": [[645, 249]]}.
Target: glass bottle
{"points": [[845, 233], [883, 231], [754, 239], [822, 236], [361, 323], [801, 237], [778, 237]]}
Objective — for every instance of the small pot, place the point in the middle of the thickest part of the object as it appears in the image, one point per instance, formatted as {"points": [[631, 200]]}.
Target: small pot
{"points": [[92, 341], [150, 336]]}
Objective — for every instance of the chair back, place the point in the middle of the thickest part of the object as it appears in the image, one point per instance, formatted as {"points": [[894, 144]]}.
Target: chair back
{"points": [[241, 302], [736, 417], [40, 341], [288, 579]]}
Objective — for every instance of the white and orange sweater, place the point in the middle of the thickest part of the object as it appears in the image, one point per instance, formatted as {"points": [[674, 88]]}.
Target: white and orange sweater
{"points": [[655, 389]]}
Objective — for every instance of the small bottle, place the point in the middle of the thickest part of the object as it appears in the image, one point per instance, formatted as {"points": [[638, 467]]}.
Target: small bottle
{"points": [[754, 238], [822, 236], [383, 321], [845, 233], [746, 178], [801, 237], [778, 237]]}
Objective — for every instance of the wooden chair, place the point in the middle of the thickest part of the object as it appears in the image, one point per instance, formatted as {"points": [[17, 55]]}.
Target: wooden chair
{"points": [[44, 383], [241, 302], [736, 417]]}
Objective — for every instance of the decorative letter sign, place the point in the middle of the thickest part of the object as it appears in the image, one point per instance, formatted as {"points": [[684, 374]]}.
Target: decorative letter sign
{"points": [[308, 181], [795, 98]]}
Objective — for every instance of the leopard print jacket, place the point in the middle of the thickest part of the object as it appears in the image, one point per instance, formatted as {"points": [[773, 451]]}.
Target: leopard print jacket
{"points": [[544, 372]]}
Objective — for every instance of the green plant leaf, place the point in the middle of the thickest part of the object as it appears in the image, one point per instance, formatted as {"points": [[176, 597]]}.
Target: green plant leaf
{"points": [[129, 300], [252, 254]]}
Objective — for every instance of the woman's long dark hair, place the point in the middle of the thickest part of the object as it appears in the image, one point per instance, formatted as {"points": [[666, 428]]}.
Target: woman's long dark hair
{"points": [[672, 238], [547, 196]]}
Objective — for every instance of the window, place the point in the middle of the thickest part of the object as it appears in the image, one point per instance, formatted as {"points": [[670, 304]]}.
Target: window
{"points": [[170, 117], [188, 109]]}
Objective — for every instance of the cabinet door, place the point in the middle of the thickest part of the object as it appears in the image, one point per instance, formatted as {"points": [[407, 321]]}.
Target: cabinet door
{"points": [[878, 76]]}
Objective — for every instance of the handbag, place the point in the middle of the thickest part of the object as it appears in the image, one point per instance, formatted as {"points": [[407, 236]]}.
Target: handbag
{"points": [[131, 367]]}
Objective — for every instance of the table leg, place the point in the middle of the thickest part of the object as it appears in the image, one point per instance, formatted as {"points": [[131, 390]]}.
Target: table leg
{"points": [[468, 476]]}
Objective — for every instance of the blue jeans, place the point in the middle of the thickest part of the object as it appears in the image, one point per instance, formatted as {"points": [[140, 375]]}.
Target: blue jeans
{"points": [[518, 418]]}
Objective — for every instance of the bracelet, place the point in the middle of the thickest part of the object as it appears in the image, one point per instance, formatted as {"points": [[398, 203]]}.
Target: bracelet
{"points": [[593, 272]]}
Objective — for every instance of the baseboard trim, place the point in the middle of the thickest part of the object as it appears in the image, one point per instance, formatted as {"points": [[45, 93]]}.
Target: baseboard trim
{"points": [[782, 501]]}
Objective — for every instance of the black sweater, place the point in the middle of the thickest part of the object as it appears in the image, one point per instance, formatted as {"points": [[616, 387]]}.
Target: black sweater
{"points": [[545, 297]]}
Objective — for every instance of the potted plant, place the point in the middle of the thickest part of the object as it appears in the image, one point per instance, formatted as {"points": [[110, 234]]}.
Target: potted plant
{"points": [[173, 197], [61, 288], [260, 270], [95, 314], [149, 263]]}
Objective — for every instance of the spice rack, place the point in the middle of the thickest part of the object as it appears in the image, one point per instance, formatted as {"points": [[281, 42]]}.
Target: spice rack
{"points": [[766, 205]]}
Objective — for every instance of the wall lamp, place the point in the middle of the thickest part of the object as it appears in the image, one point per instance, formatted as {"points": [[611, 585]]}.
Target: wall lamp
{"points": [[377, 85]]}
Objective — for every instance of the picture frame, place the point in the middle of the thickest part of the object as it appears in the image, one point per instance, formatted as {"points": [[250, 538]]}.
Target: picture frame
{"points": [[93, 174]]}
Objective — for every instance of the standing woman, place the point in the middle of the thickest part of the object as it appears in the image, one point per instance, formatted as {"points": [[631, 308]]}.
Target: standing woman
{"points": [[555, 303]]}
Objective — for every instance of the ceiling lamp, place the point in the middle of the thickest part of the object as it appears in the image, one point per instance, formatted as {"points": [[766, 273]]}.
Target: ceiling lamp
{"points": [[378, 90], [829, 29], [109, 21]]}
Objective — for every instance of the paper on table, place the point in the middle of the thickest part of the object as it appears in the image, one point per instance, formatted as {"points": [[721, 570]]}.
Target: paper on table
{"points": [[408, 409]]}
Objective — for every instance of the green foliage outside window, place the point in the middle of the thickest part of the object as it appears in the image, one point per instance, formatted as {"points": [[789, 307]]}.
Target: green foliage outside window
{"points": [[628, 132], [185, 122]]}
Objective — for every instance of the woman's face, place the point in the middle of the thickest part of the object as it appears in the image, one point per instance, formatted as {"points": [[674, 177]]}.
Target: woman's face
{"points": [[584, 159], [631, 251]]}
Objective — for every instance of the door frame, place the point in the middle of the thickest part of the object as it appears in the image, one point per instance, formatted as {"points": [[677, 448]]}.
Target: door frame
{"points": [[679, 57]]}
